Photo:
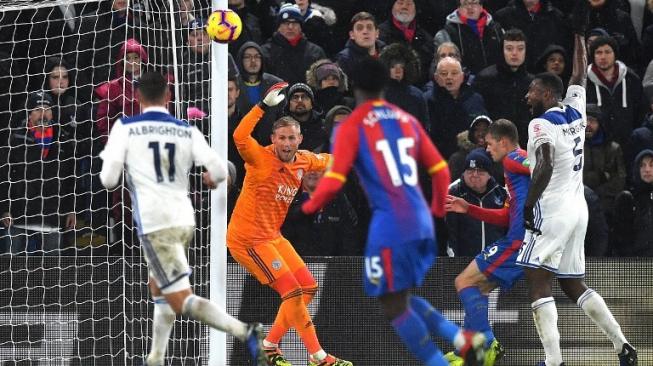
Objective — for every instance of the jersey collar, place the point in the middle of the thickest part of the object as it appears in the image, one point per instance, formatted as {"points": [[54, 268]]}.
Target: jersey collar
{"points": [[156, 109]]}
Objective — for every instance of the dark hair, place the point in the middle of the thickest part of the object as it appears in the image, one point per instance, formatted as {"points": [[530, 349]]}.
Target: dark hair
{"points": [[503, 128], [370, 75], [602, 41], [285, 121], [152, 86], [514, 35], [363, 15], [551, 82]]}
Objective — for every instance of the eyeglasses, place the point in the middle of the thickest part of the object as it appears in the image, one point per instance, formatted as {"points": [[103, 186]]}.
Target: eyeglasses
{"points": [[251, 57]]}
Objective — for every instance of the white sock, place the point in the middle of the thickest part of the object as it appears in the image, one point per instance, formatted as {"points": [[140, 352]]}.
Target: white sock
{"points": [[595, 308], [459, 340], [270, 345], [214, 316], [163, 321], [545, 316], [319, 355]]}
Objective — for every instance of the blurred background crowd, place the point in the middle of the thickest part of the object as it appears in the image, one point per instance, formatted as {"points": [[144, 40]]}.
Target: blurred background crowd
{"points": [[68, 71]]}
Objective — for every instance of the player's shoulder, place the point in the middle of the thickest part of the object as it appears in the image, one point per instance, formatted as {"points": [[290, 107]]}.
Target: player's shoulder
{"points": [[154, 116], [516, 160]]}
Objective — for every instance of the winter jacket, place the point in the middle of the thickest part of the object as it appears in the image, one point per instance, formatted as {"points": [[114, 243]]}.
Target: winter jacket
{"points": [[476, 53], [290, 62], [468, 236], [265, 80], [353, 53], [422, 43], [503, 91], [597, 235], [546, 27], [633, 226], [604, 170], [451, 116], [621, 105], [619, 25], [326, 98], [37, 189]]}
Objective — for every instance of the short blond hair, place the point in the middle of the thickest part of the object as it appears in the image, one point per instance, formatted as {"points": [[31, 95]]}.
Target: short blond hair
{"points": [[285, 121]]}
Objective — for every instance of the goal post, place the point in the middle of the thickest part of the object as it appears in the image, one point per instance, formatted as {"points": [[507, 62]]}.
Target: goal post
{"points": [[76, 292]]}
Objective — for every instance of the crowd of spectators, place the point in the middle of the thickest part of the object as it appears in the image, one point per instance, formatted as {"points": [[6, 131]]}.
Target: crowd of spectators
{"points": [[67, 72]]}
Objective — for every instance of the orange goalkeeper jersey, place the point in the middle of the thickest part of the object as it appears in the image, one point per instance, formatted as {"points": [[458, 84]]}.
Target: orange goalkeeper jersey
{"points": [[269, 187]]}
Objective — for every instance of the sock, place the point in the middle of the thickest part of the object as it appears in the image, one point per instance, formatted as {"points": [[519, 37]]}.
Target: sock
{"points": [[214, 316], [545, 316], [415, 335], [162, 323], [595, 308], [433, 319], [294, 312], [476, 311], [269, 345], [285, 285]]}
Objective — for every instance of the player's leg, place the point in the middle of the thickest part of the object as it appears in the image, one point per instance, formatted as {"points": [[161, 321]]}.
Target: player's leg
{"points": [[570, 277], [473, 289], [165, 253], [163, 320]]}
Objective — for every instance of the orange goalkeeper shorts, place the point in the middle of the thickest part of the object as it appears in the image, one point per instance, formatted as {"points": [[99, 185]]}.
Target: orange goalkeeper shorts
{"points": [[268, 261]]}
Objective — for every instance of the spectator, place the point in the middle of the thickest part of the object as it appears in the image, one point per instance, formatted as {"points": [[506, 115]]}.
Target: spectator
{"points": [[233, 191], [433, 13], [288, 53], [330, 84], [363, 42], [476, 34], [404, 68], [617, 22], [447, 49], [647, 34], [300, 106], [234, 116], [330, 232], [452, 105], [542, 23], [615, 88], [504, 85], [319, 22], [554, 60], [37, 195], [471, 139], [196, 75], [332, 119], [603, 168], [101, 35], [251, 31], [647, 82], [468, 236], [253, 79], [402, 28], [641, 138], [633, 227], [597, 235]]}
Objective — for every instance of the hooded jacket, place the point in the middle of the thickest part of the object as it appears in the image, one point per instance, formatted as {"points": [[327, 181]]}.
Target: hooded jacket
{"points": [[621, 105], [620, 26], [468, 236], [329, 97], [115, 100], [476, 53], [353, 53], [503, 91], [290, 62], [540, 64], [640, 139], [265, 80], [633, 229], [546, 27]]}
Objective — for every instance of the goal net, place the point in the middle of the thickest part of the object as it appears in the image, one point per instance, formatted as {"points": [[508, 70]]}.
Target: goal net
{"points": [[73, 282]]}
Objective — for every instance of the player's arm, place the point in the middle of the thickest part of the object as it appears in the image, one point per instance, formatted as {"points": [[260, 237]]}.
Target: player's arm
{"points": [[248, 148], [539, 181], [113, 155], [496, 216], [204, 155], [438, 169], [344, 152], [580, 19]]}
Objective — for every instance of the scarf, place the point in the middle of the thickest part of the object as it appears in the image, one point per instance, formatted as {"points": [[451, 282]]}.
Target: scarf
{"points": [[43, 137], [408, 31], [478, 26], [609, 83]]}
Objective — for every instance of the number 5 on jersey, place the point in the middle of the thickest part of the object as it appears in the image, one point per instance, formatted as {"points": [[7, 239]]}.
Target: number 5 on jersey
{"points": [[403, 144], [154, 145], [373, 269]]}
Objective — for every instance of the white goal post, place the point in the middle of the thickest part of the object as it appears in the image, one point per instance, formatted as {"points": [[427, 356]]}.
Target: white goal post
{"points": [[73, 283]]}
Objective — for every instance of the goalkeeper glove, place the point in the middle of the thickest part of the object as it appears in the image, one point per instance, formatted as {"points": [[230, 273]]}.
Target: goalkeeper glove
{"points": [[274, 95]]}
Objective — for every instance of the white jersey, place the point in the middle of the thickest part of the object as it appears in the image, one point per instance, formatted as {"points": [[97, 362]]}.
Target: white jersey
{"points": [[564, 128], [159, 151]]}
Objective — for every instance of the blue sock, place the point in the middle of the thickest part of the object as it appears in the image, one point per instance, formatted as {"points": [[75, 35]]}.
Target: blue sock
{"points": [[413, 332], [476, 311], [434, 320]]}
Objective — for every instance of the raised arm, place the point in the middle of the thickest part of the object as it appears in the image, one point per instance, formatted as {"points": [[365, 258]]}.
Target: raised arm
{"points": [[579, 20]]}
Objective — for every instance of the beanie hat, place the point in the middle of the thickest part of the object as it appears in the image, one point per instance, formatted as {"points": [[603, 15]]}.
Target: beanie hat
{"points": [[289, 13], [38, 99], [600, 32], [474, 124], [301, 87], [325, 70], [593, 110], [478, 159], [196, 24]]}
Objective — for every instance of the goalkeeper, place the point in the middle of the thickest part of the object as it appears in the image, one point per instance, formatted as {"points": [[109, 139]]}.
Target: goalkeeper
{"points": [[273, 176], [158, 151]]}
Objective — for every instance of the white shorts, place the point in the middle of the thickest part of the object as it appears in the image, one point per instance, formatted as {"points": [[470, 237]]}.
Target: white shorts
{"points": [[561, 246], [165, 254]]}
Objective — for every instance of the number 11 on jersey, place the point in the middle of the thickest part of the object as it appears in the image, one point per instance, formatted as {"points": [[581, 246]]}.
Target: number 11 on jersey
{"points": [[154, 145]]}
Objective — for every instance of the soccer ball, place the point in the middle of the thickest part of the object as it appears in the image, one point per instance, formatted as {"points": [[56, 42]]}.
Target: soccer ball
{"points": [[224, 26]]}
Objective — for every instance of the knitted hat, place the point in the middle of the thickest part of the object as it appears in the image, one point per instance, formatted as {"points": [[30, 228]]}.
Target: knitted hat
{"points": [[301, 87], [478, 159], [289, 13], [38, 99], [325, 70], [475, 123], [196, 24]]}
